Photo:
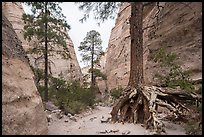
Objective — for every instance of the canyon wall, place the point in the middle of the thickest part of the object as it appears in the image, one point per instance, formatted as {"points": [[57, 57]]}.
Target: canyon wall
{"points": [[179, 31], [22, 107], [68, 69]]}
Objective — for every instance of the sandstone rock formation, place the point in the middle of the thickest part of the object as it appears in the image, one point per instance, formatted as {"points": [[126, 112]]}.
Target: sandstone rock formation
{"points": [[22, 107], [179, 31], [68, 69]]}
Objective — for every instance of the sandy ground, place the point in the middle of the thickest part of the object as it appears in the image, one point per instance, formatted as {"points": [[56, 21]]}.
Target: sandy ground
{"points": [[90, 124]]}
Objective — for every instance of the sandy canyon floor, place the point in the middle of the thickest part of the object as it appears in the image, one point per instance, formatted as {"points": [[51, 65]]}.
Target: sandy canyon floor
{"points": [[89, 123]]}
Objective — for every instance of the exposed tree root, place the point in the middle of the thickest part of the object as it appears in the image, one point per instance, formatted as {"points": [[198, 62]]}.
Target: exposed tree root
{"points": [[140, 105]]}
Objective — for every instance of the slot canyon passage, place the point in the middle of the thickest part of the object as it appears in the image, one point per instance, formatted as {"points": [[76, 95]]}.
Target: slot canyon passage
{"points": [[166, 98]]}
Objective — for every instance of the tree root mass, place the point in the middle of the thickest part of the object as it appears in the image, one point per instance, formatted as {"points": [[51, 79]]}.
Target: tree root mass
{"points": [[140, 105]]}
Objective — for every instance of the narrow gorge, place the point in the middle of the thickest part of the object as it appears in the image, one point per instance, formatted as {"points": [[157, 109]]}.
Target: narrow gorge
{"points": [[172, 32]]}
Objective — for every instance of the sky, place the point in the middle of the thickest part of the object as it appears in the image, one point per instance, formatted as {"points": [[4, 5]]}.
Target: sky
{"points": [[79, 30]]}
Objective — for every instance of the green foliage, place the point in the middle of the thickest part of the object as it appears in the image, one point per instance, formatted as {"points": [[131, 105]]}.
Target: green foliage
{"points": [[70, 96], [38, 73], [47, 24], [175, 75], [35, 27], [165, 58], [91, 45], [101, 10], [116, 92], [91, 49], [41, 90]]}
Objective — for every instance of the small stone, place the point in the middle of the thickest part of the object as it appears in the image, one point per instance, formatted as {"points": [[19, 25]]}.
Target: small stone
{"points": [[105, 120], [59, 115], [55, 111], [66, 120], [115, 130], [49, 118], [126, 132], [73, 118], [69, 115], [93, 118]]}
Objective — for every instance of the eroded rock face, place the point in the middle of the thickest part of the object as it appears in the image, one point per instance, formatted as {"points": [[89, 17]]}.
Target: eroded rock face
{"points": [[22, 107], [179, 31], [68, 69], [117, 65]]}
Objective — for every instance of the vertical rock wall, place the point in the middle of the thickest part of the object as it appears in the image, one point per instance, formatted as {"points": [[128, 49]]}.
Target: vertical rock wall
{"points": [[179, 31]]}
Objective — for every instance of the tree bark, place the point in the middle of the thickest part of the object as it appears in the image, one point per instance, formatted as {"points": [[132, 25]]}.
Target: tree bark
{"points": [[46, 57], [136, 55]]}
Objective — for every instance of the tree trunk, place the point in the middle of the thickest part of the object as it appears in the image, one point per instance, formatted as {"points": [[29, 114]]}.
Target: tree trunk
{"points": [[136, 55], [92, 61], [134, 112], [46, 57]]}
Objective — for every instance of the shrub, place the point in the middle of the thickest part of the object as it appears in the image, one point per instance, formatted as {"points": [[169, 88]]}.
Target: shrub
{"points": [[175, 76], [41, 90], [74, 107], [38, 73], [71, 96], [116, 92]]}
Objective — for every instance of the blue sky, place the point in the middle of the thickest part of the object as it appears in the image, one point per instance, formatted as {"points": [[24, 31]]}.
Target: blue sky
{"points": [[78, 30]]}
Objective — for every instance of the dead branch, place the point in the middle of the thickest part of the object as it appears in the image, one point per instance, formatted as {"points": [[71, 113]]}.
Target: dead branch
{"points": [[155, 16]]}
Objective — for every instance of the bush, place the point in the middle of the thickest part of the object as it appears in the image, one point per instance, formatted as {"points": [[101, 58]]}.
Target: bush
{"points": [[116, 92], [74, 107], [175, 76], [70, 96], [38, 73], [41, 90]]}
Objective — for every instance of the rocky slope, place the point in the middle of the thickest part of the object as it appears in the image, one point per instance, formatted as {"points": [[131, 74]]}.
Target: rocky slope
{"points": [[22, 107], [179, 31], [68, 69]]}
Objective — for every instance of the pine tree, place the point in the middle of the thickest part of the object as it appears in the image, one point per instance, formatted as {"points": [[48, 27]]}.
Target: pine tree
{"points": [[46, 25], [91, 49], [138, 102]]}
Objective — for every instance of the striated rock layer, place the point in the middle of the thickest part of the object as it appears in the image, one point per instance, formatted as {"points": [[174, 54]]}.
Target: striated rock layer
{"points": [[22, 107], [179, 31], [68, 69]]}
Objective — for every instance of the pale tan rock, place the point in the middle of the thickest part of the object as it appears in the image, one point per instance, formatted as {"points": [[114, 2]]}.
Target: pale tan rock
{"points": [[22, 107]]}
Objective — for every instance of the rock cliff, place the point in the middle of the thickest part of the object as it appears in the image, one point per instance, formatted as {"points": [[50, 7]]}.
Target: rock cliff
{"points": [[179, 31], [68, 69], [22, 107]]}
